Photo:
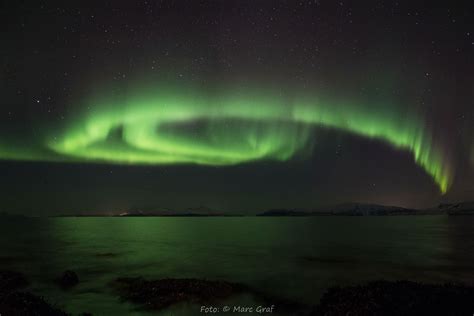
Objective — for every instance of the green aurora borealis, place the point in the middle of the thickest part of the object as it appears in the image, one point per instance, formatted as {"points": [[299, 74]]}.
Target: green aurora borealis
{"points": [[169, 126]]}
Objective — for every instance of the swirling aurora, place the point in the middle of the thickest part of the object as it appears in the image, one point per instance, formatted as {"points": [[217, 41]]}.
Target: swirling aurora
{"points": [[169, 127]]}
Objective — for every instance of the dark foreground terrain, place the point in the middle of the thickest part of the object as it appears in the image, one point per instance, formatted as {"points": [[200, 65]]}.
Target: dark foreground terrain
{"points": [[15, 302], [397, 298], [373, 298]]}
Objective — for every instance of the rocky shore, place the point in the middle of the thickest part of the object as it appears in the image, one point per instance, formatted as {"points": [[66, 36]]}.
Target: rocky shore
{"points": [[373, 298], [15, 302], [159, 294], [162, 293], [397, 298]]}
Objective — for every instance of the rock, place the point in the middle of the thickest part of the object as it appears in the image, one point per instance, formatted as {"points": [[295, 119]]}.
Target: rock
{"points": [[11, 280], [17, 303], [397, 298], [24, 304], [159, 294], [68, 279]]}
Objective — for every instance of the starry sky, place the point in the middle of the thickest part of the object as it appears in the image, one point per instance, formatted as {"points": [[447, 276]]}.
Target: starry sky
{"points": [[237, 106]]}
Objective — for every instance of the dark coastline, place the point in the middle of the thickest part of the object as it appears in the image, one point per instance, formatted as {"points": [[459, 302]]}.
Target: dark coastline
{"points": [[372, 298], [360, 297], [347, 209]]}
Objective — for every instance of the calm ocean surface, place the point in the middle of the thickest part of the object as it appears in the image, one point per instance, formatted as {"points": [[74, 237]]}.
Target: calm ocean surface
{"points": [[293, 258]]}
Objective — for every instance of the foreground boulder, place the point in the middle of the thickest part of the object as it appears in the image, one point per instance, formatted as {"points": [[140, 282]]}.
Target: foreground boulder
{"points": [[68, 279], [159, 294], [397, 298]]}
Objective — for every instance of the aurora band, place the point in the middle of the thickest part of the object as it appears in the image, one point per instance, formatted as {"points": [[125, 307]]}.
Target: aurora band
{"points": [[172, 127]]}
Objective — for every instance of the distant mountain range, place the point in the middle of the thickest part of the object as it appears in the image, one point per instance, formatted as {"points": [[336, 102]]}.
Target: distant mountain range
{"points": [[463, 208], [346, 209], [362, 209], [194, 211]]}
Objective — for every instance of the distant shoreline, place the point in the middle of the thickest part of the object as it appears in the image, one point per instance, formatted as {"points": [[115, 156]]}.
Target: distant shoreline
{"points": [[280, 215], [347, 209], [20, 217]]}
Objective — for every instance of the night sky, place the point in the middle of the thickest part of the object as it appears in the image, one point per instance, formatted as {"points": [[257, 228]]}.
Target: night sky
{"points": [[238, 106]]}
